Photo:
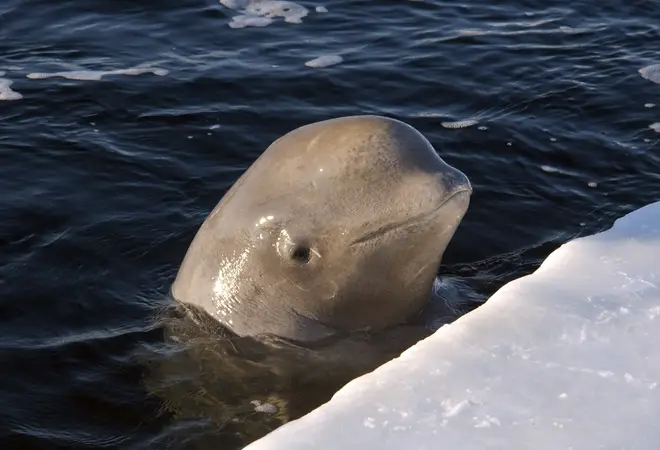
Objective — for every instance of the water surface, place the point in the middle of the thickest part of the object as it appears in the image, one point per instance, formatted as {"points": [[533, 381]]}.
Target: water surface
{"points": [[107, 175]]}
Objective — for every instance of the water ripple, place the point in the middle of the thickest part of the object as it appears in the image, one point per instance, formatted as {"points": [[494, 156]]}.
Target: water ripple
{"points": [[548, 107]]}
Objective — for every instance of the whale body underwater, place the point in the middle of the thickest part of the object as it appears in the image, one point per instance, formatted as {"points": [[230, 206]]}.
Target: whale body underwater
{"points": [[339, 226]]}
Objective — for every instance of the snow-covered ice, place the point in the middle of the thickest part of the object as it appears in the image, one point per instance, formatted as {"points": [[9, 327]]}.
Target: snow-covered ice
{"points": [[565, 358]]}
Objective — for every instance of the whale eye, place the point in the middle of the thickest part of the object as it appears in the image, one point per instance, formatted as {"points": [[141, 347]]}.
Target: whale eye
{"points": [[295, 249], [301, 253]]}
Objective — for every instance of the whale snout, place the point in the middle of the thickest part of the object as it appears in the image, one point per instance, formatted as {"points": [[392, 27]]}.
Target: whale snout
{"points": [[452, 193], [456, 182]]}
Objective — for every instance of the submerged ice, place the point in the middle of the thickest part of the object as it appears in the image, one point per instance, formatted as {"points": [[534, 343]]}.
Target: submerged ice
{"points": [[566, 357]]}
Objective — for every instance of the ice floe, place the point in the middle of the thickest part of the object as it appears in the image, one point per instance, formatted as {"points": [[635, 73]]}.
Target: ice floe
{"points": [[565, 358]]}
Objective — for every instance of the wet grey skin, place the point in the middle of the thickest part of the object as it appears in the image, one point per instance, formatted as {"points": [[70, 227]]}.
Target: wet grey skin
{"points": [[338, 226]]}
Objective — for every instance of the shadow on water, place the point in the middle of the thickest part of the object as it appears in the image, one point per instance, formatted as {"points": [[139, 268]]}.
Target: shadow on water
{"points": [[241, 388], [219, 387]]}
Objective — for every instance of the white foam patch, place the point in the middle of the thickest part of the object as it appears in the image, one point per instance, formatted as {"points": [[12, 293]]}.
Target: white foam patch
{"points": [[96, 75], [565, 358], [261, 13], [325, 61], [321, 9], [6, 92], [651, 73], [460, 123], [267, 408], [655, 127]]}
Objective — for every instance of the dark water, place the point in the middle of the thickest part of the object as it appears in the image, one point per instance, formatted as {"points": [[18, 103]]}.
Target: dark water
{"points": [[104, 183]]}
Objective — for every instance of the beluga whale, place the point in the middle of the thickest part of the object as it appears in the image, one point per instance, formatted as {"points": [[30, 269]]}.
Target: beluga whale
{"points": [[339, 226]]}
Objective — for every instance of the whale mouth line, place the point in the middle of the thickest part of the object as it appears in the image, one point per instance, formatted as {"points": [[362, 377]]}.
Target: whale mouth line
{"points": [[410, 221], [314, 330]]}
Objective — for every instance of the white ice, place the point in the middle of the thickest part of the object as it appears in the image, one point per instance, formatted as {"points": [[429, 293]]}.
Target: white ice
{"points": [[260, 13], [565, 358], [6, 92], [325, 61], [96, 75]]}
